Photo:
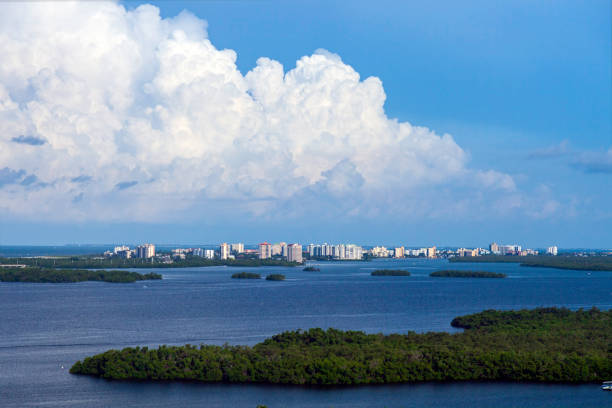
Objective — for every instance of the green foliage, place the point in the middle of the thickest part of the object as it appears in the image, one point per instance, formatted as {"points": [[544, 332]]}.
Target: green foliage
{"points": [[311, 269], [390, 272], [275, 277], [246, 275], [87, 262], [466, 274], [46, 275], [584, 263], [546, 344]]}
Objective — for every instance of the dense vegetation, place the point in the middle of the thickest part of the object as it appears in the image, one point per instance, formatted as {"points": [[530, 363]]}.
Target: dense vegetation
{"points": [[586, 263], [275, 277], [246, 275], [390, 272], [466, 274], [98, 262], [45, 275], [546, 344], [311, 269]]}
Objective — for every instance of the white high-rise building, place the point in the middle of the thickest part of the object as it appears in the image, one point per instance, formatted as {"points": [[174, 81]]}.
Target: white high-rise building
{"points": [[399, 252], [209, 253], [283, 246], [553, 250], [294, 253], [224, 250], [265, 250], [145, 251]]}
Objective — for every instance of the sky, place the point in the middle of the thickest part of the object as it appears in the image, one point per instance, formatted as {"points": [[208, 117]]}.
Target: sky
{"points": [[400, 123]]}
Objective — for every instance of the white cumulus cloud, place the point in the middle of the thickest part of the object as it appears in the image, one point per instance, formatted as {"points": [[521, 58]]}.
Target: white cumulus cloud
{"points": [[108, 113]]}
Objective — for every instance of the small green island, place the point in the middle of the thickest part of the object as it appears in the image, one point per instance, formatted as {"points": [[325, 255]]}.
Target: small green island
{"points": [[246, 275], [466, 274], [554, 345], [275, 277], [50, 275], [311, 269], [390, 272]]}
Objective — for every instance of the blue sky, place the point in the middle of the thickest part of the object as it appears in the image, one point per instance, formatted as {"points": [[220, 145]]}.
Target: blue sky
{"points": [[523, 87]]}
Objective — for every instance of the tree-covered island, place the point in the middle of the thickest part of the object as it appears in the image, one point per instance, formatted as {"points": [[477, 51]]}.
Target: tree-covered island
{"points": [[49, 275], [390, 272], [543, 345], [311, 269], [466, 274]]}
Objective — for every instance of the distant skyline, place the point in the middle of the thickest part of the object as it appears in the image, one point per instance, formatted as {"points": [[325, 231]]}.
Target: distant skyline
{"points": [[445, 123]]}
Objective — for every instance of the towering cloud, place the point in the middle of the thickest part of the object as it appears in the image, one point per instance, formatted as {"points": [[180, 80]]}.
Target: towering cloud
{"points": [[113, 114]]}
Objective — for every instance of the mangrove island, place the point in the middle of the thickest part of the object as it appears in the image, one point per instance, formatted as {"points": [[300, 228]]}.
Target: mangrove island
{"points": [[50, 275], [541, 345]]}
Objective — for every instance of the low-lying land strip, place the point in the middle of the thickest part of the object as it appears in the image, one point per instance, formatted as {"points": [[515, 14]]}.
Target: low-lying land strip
{"points": [[98, 262], [466, 274], [390, 272], [311, 269], [545, 345], [49, 275], [585, 263], [275, 277]]}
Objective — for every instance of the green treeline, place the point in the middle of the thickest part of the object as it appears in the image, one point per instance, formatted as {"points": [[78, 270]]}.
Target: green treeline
{"points": [[275, 277], [46, 275], [86, 262], [390, 272], [246, 275], [466, 274], [585, 263], [546, 344]]}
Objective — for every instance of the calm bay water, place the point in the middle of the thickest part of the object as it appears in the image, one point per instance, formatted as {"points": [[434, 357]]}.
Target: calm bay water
{"points": [[46, 327]]}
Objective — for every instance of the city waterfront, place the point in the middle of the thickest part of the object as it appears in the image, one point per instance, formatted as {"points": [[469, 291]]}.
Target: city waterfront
{"points": [[47, 327]]}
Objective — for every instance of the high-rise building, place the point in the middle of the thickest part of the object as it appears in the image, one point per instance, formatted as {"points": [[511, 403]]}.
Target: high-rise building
{"points": [[238, 248], [276, 250], [294, 253], [209, 253], [399, 252], [145, 251], [431, 252], [494, 248], [283, 246], [553, 250], [224, 250], [265, 250], [353, 252]]}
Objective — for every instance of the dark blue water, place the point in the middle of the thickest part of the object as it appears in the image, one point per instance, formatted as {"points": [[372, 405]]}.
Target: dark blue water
{"points": [[44, 328]]}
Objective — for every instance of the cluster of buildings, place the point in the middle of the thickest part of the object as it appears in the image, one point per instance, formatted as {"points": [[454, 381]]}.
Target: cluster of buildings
{"points": [[340, 251], [402, 252], [497, 249], [141, 251], [296, 253]]}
